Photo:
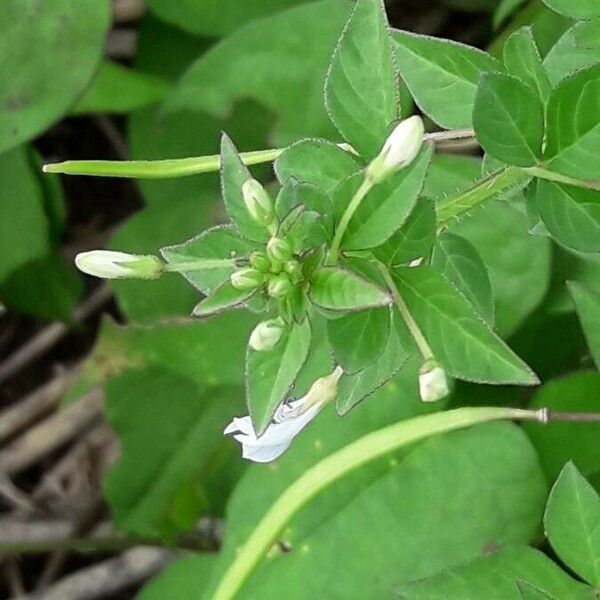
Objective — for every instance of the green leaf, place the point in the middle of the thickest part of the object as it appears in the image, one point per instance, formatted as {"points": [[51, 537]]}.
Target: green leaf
{"points": [[587, 304], [361, 91], [522, 60], [530, 592], [559, 442], [582, 9], [216, 243], [414, 239], [334, 288], [170, 434], [442, 76], [461, 341], [451, 174], [353, 389], [497, 577], [573, 127], [386, 207], [504, 10], [233, 175], [571, 214], [118, 89], [270, 375], [509, 119], [287, 79], [358, 339], [315, 161], [572, 523], [456, 259], [49, 53], [222, 298], [568, 55]]}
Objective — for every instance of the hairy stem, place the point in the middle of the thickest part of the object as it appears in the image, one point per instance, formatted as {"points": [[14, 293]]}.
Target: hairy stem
{"points": [[543, 173], [197, 265]]}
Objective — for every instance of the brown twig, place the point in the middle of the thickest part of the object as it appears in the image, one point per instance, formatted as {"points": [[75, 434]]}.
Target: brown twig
{"points": [[126, 11]]}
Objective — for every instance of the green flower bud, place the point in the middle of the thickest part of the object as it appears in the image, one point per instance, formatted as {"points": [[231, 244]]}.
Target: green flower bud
{"points": [[280, 286], [279, 250], [260, 261], [258, 203], [266, 335], [246, 279], [119, 265], [294, 269]]}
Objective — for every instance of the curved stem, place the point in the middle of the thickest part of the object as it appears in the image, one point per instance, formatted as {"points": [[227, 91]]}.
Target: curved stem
{"points": [[543, 173], [340, 463]]}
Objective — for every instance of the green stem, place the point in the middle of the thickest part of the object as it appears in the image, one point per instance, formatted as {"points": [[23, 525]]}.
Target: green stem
{"points": [[358, 197], [543, 173], [340, 463], [197, 265], [406, 315]]}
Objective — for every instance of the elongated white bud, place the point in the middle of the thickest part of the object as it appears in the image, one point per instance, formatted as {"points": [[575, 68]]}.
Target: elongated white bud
{"points": [[258, 202], [119, 265], [266, 335], [399, 150], [433, 382]]}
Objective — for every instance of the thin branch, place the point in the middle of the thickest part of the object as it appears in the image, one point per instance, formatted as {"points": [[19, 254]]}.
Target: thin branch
{"points": [[549, 416]]}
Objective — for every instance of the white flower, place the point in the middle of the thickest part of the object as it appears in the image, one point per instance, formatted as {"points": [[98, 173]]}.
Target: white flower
{"points": [[266, 335], [119, 265], [258, 203], [433, 382], [289, 420]]}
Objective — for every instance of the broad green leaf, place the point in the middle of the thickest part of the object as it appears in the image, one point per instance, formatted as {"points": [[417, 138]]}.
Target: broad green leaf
{"points": [[508, 117], [461, 341], [371, 510], [49, 51], [571, 214], [352, 389], [581, 9], [559, 442], [572, 524], [568, 55], [333, 288], [449, 174], [456, 259], [270, 375], [287, 79], [361, 89], [415, 238], [170, 433], [222, 298], [386, 207], [216, 243], [316, 161], [118, 89], [358, 339], [522, 60], [233, 175], [548, 27], [587, 304], [530, 592], [518, 263], [442, 76], [573, 127], [504, 10], [497, 577]]}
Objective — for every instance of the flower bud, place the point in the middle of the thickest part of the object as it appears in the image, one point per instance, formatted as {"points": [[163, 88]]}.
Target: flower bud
{"points": [[279, 250], [280, 286], [433, 382], [246, 279], [258, 203], [119, 265], [294, 269], [399, 150], [260, 261], [266, 335]]}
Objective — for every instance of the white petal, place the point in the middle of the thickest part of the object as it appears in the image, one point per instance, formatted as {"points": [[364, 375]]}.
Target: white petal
{"points": [[242, 424], [264, 454]]}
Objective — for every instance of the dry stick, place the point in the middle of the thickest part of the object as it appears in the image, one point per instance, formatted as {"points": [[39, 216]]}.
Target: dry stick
{"points": [[49, 336], [125, 11]]}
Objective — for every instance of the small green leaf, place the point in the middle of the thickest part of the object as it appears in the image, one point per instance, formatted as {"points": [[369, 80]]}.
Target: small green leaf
{"points": [[587, 304], [461, 341], [571, 214], [357, 339], [334, 288], [361, 92], [522, 60], [222, 298], [415, 238], [270, 375], [315, 161], [504, 10], [573, 127], [509, 119], [233, 175], [580, 9], [531, 592], [386, 207], [442, 76], [572, 523], [457, 259]]}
